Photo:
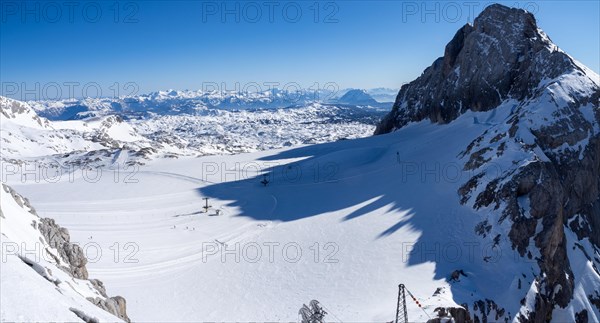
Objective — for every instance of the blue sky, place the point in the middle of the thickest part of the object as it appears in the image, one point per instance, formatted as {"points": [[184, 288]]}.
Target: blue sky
{"points": [[188, 44]]}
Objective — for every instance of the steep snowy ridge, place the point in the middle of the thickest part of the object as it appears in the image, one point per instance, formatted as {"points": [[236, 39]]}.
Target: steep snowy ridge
{"points": [[43, 275], [536, 165]]}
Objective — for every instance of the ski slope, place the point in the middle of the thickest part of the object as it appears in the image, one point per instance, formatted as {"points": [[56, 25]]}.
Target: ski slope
{"points": [[363, 212]]}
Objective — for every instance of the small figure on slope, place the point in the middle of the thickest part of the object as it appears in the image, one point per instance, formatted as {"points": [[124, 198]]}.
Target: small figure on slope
{"points": [[265, 180]]}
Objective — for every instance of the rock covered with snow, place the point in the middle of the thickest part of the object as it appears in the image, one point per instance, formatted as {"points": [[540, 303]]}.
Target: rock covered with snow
{"points": [[58, 238], [38, 246], [537, 166], [20, 113], [502, 55]]}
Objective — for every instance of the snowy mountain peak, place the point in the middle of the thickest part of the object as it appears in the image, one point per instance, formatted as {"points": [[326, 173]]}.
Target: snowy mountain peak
{"points": [[513, 22], [503, 55], [20, 113], [358, 97]]}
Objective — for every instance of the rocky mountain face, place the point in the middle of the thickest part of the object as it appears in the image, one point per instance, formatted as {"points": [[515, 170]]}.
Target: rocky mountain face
{"points": [[549, 107], [502, 55]]}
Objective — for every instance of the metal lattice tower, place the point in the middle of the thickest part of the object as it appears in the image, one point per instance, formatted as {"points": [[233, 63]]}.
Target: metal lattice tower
{"points": [[401, 315], [314, 313]]}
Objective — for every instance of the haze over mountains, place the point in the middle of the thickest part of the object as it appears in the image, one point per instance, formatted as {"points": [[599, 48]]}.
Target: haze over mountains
{"points": [[480, 192]]}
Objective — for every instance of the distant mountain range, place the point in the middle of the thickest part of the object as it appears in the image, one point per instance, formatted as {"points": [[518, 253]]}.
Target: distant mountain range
{"points": [[174, 102], [92, 132]]}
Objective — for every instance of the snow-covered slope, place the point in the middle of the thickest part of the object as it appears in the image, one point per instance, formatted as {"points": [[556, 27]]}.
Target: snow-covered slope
{"points": [[44, 276], [346, 203], [376, 220], [21, 114]]}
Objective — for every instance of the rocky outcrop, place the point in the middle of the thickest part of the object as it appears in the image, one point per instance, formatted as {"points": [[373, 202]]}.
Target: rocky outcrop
{"points": [[549, 185], [72, 254], [59, 238], [451, 314], [115, 305]]}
